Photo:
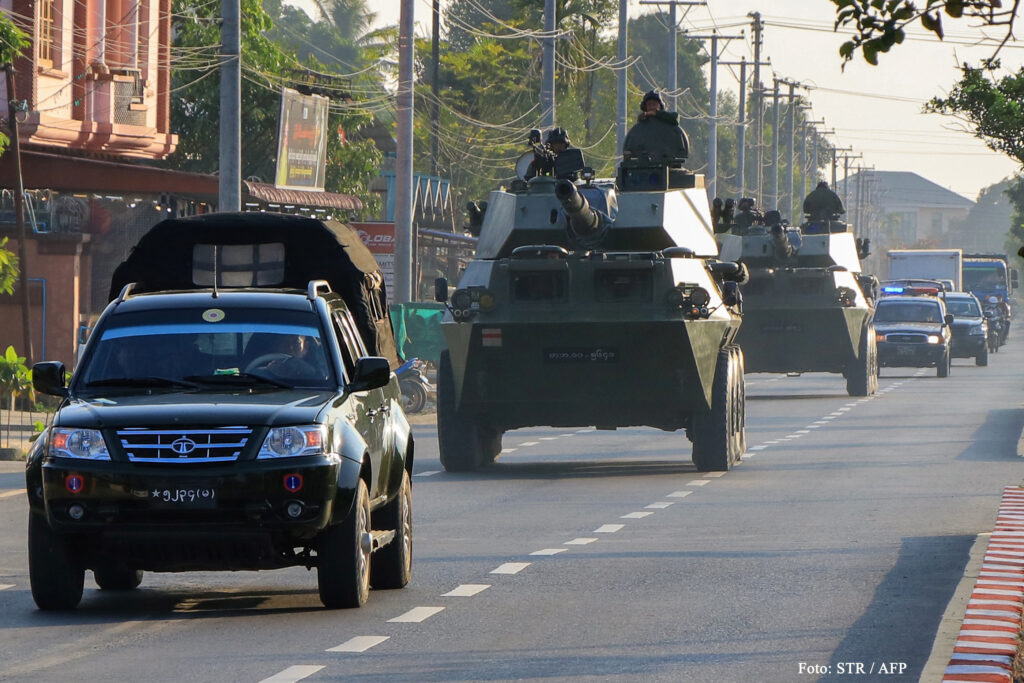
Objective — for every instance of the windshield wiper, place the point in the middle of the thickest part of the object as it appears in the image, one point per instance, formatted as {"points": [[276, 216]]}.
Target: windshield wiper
{"points": [[239, 379], [142, 382]]}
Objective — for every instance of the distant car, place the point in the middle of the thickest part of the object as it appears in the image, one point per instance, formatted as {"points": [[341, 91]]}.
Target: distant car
{"points": [[914, 286], [970, 327], [913, 331]]}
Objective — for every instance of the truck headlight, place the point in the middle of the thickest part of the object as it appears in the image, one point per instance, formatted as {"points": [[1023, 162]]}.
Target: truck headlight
{"points": [[976, 331], [934, 339], [85, 444], [290, 442]]}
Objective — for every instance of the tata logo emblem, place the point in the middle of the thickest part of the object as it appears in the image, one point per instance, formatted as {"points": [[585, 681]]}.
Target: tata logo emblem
{"points": [[183, 446]]}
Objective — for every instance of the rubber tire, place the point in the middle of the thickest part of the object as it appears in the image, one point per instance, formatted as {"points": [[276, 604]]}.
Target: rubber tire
{"points": [[116, 577], [981, 360], [343, 562], [714, 442], [862, 374], [392, 565], [942, 367], [55, 574], [741, 407], [458, 438], [414, 396]]}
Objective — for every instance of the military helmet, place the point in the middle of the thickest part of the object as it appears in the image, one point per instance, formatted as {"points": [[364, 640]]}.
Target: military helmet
{"points": [[557, 135], [652, 95]]}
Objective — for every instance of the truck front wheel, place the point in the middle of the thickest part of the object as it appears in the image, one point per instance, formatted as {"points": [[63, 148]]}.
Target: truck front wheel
{"points": [[55, 574]]}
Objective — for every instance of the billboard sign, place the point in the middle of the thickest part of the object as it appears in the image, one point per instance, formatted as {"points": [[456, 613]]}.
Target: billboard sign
{"points": [[302, 141], [379, 238]]}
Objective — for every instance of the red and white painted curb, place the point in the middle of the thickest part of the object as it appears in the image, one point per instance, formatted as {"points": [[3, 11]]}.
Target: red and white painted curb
{"points": [[988, 640]]}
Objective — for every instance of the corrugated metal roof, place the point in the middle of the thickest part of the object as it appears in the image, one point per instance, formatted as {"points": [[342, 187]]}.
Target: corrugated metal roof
{"points": [[899, 189], [266, 192]]}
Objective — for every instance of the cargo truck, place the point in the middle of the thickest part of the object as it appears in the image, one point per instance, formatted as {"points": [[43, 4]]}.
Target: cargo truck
{"points": [[987, 275], [928, 264]]}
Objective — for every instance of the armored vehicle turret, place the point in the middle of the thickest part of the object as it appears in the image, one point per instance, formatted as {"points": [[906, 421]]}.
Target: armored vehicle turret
{"points": [[594, 303], [804, 308]]}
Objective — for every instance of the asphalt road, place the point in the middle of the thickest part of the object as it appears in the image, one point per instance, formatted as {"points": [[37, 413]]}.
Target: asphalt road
{"points": [[604, 556]]}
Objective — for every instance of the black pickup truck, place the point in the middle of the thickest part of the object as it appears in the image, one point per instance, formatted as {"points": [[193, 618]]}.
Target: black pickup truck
{"points": [[231, 411]]}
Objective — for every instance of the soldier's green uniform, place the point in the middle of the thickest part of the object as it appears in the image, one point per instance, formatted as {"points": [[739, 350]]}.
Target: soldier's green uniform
{"points": [[656, 135]]}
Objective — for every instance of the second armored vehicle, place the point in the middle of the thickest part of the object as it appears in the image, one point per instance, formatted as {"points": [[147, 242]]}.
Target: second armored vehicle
{"points": [[594, 303], [804, 310]]}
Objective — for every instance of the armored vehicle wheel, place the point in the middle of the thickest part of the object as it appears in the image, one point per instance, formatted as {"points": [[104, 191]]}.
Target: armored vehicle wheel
{"points": [[715, 440], [981, 359], [110, 576], [56, 576], [741, 405], [943, 366], [464, 444], [343, 556], [392, 564], [862, 373]]}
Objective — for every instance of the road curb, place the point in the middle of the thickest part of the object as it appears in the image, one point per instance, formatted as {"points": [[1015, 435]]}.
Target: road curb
{"points": [[987, 643]]}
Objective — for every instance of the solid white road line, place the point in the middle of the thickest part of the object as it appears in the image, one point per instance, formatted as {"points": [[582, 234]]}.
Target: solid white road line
{"points": [[548, 551], [358, 644], [608, 528], [416, 615], [510, 568], [580, 541], [661, 505], [292, 674], [466, 590], [636, 515]]}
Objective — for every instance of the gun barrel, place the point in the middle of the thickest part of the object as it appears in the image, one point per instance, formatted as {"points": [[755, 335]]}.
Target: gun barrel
{"points": [[783, 249], [583, 220]]}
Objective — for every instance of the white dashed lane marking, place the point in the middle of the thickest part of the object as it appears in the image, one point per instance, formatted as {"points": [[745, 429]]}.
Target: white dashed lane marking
{"points": [[416, 615], [580, 541], [698, 482], [636, 515], [661, 505], [358, 644], [508, 450], [529, 443], [5, 586], [548, 551], [510, 568], [585, 431], [714, 475], [428, 473], [679, 494], [10, 494], [548, 438], [608, 528], [292, 674], [466, 590]]}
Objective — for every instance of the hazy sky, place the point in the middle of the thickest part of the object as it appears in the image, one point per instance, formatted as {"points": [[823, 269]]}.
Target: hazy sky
{"points": [[874, 110]]}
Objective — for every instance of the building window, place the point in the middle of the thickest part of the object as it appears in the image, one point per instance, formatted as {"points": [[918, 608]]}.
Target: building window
{"points": [[48, 56]]}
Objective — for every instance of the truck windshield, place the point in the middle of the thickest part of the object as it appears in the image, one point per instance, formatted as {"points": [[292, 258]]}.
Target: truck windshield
{"points": [[907, 312], [205, 347], [984, 277]]}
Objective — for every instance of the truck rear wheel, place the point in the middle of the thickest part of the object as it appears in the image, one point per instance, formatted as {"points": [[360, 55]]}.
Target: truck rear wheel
{"points": [[862, 374], [459, 438], [55, 574], [392, 565], [715, 433]]}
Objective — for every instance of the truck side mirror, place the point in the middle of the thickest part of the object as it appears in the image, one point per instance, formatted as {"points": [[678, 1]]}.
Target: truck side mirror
{"points": [[48, 377], [948, 319], [441, 290]]}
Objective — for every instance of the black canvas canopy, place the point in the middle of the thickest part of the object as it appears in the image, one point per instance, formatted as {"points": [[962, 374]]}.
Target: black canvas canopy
{"points": [[166, 259]]}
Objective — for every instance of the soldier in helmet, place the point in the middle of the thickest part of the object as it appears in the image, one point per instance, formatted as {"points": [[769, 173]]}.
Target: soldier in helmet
{"points": [[822, 204], [656, 134], [556, 142]]}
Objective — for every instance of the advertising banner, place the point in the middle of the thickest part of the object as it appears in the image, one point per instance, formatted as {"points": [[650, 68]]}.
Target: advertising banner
{"points": [[380, 239], [302, 141]]}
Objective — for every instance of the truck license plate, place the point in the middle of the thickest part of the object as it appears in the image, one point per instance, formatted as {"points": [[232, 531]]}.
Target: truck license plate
{"points": [[183, 497], [589, 355]]}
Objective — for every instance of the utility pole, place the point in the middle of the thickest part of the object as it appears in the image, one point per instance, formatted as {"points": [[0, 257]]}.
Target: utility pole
{"points": [[229, 181], [403, 157], [741, 130], [846, 176], [13, 107], [775, 144], [712, 174], [757, 92], [621, 76], [435, 90], [814, 150], [673, 80], [791, 121], [835, 165], [547, 91], [803, 161]]}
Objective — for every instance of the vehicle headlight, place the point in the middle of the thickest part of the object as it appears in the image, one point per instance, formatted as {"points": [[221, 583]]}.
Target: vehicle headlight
{"points": [[934, 339], [290, 442], [976, 330], [87, 444]]}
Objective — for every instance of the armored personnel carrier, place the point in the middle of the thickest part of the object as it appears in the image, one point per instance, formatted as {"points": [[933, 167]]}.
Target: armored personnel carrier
{"points": [[594, 303], [804, 309]]}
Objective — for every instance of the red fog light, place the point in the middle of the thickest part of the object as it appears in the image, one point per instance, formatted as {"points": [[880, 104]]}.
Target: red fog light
{"points": [[293, 482], [74, 483]]}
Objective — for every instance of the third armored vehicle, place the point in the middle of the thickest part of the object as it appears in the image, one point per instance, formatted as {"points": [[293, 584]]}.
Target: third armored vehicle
{"points": [[594, 303], [804, 310]]}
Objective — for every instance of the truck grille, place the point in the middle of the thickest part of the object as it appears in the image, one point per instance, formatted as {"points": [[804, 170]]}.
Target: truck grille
{"points": [[220, 444], [907, 338]]}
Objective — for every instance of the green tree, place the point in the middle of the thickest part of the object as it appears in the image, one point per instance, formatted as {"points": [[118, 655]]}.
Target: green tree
{"points": [[15, 379], [12, 41], [879, 25]]}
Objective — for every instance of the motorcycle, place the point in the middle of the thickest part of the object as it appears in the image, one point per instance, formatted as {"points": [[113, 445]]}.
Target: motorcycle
{"points": [[416, 388], [996, 331]]}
